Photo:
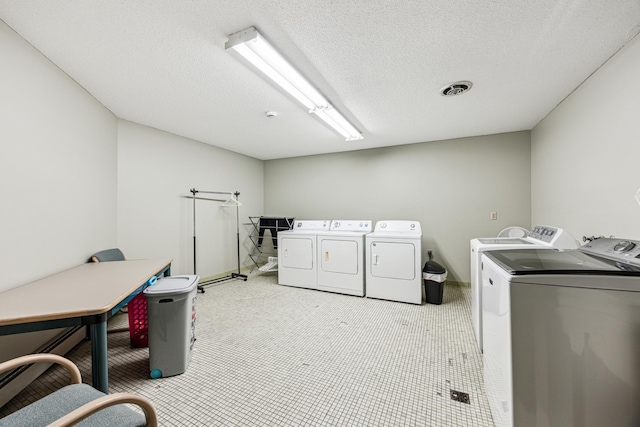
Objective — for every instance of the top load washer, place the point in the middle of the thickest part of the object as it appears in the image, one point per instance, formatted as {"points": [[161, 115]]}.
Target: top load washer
{"points": [[341, 257], [394, 257], [562, 335], [540, 237], [297, 254]]}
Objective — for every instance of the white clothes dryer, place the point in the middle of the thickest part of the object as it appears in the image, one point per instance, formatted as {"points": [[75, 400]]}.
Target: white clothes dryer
{"points": [[541, 236], [297, 254], [394, 258], [341, 255], [561, 335]]}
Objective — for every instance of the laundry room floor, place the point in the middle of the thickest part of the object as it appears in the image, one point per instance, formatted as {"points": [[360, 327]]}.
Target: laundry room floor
{"points": [[272, 355]]}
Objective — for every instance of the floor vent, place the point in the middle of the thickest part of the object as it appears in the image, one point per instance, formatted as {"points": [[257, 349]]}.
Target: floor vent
{"points": [[460, 396]]}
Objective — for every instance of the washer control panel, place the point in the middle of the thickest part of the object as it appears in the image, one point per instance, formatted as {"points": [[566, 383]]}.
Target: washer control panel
{"points": [[348, 225], [553, 236], [303, 225], [410, 227], [625, 250], [543, 233]]}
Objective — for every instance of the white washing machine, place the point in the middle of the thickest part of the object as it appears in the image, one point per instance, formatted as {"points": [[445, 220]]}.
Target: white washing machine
{"points": [[297, 254], [540, 237], [394, 261], [562, 335], [341, 257]]}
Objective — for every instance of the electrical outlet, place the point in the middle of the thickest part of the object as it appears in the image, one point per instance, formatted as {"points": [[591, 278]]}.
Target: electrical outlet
{"points": [[637, 196], [493, 216], [460, 396]]}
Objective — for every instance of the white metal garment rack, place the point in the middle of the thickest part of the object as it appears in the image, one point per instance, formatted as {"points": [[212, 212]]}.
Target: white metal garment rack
{"points": [[231, 201]]}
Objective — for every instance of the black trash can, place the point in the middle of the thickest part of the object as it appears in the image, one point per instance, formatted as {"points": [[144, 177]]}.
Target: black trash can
{"points": [[434, 275]]}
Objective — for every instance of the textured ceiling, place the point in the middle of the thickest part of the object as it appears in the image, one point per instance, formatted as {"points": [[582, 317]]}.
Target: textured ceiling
{"points": [[382, 63]]}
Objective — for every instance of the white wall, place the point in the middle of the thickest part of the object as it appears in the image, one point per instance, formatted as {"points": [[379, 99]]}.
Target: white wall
{"points": [[156, 170], [449, 186], [584, 154], [61, 162], [58, 174], [58, 177]]}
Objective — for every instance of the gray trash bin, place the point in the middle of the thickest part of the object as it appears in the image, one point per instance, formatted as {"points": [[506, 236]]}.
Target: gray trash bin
{"points": [[171, 305]]}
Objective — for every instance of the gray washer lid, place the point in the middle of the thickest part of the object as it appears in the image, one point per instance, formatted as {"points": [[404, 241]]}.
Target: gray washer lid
{"points": [[173, 285]]}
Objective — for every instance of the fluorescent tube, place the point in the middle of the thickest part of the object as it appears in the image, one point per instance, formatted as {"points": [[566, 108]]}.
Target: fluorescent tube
{"points": [[255, 49]]}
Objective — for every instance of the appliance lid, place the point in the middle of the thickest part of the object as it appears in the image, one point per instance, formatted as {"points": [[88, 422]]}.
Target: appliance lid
{"points": [[173, 285], [505, 241], [518, 262], [433, 267]]}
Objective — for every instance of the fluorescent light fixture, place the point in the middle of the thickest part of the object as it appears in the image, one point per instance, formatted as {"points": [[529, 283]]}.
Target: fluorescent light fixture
{"points": [[255, 49]]}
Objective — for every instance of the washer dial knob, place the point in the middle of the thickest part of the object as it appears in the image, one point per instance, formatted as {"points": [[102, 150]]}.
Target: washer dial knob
{"points": [[624, 246]]}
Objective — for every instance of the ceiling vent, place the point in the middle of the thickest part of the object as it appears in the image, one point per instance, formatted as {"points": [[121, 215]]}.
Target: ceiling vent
{"points": [[456, 88]]}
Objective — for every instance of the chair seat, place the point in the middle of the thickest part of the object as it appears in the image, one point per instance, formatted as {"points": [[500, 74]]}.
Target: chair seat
{"points": [[61, 402]]}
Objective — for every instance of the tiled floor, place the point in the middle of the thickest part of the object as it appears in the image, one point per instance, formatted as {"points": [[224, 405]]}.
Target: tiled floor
{"points": [[271, 355]]}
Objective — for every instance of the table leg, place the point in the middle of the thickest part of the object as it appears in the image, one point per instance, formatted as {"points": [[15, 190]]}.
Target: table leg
{"points": [[99, 366]]}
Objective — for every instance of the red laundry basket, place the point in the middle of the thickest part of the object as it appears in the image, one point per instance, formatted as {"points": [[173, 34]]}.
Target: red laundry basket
{"points": [[138, 321]]}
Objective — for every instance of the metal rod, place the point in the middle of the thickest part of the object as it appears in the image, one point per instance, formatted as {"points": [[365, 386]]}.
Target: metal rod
{"points": [[217, 192], [237, 193], [194, 191], [233, 275]]}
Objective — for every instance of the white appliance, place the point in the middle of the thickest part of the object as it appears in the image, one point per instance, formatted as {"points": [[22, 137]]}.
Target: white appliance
{"points": [[341, 257], [394, 257], [540, 237], [297, 254], [562, 335]]}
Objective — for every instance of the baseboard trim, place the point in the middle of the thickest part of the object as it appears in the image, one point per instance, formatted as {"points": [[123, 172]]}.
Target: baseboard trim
{"points": [[462, 284]]}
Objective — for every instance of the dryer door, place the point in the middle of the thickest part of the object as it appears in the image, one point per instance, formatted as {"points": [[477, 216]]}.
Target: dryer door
{"points": [[296, 253], [339, 256], [393, 260]]}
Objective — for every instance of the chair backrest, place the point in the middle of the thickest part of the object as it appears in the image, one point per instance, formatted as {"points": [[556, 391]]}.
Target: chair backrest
{"points": [[108, 255]]}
